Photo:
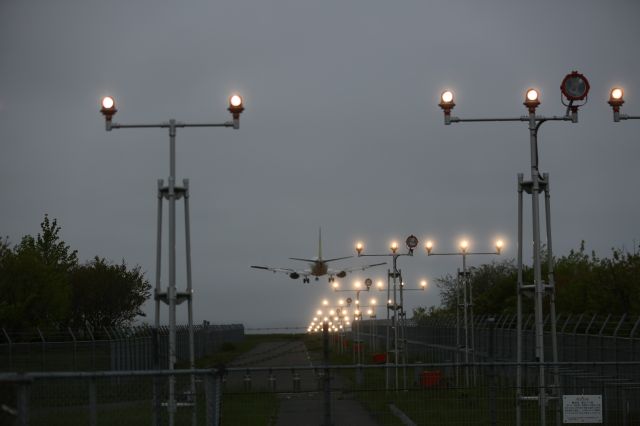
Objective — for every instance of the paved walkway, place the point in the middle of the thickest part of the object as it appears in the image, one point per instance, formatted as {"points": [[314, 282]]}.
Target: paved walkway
{"points": [[305, 407]]}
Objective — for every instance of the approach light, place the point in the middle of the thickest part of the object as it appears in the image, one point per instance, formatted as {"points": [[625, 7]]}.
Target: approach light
{"points": [[423, 284], [108, 102], [394, 246], [616, 93], [108, 109], [236, 106], [357, 284], [340, 302], [359, 247], [429, 246], [380, 285], [335, 284], [318, 312], [616, 98], [325, 302], [531, 100], [447, 104], [369, 312], [575, 86], [499, 245], [464, 245]]}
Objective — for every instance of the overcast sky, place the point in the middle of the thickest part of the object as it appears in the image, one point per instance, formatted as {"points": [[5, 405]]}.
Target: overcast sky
{"points": [[341, 130]]}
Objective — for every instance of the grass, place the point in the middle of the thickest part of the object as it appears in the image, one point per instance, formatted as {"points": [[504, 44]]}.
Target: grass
{"points": [[124, 401]]}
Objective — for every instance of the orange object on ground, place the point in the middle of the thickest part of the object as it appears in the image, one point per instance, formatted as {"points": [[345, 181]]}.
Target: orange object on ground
{"points": [[379, 358], [429, 379]]}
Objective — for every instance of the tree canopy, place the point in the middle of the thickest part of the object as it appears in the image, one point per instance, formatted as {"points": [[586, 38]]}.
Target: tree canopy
{"points": [[42, 284], [584, 283]]}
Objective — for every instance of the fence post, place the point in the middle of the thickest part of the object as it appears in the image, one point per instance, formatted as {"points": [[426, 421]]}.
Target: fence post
{"points": [[6, 335], [23, 402], [492, 371], [327, 379], [155, 418], [93, 417], [212, 389], [44, 350]]}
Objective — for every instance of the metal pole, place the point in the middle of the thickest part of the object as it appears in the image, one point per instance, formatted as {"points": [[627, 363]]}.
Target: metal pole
{"points": [[465, 318], [519, 309], [395, 321], [537, 272], [403, 340], [472, 340], [327, 378], [388, 343], [458, 346], [492, 380], [192, 362], [158, 254], [172, 269], [552, 303]]}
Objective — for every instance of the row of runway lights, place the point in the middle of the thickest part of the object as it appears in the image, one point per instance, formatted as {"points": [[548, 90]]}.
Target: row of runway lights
{"points": [[532, 99], [338, 318]]}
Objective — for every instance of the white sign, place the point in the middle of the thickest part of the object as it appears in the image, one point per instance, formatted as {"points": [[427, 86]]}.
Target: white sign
{"points": [[582, 408]]}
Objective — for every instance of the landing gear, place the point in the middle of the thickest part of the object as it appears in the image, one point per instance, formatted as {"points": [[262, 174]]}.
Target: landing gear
{"points": [[305, 280], [331, 279]]}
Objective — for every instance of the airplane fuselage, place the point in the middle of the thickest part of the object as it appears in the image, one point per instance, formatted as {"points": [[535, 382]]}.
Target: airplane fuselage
{"points": [[319, 268]]}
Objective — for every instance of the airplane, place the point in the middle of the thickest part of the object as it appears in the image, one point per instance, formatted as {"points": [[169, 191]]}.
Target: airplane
{"points": [[318, 267]]}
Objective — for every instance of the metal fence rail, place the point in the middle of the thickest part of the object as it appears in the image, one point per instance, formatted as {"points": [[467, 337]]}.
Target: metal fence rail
{"points": [[581, 337], [268, 395], [131, 348]]}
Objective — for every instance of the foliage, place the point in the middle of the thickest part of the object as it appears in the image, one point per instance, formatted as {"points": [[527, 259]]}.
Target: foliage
{"points": [[34, 279], [584, 283], [421, 314], [42, 285], [32, 293], [107, 295]]}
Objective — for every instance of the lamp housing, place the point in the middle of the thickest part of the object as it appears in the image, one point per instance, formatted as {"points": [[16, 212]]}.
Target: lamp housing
{"points": [[532, 100]]}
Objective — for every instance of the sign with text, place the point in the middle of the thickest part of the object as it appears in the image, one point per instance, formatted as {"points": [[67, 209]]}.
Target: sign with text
{"points": [[582, 408]]}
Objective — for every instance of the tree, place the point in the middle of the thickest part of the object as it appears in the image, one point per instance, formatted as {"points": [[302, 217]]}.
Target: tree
{"points": [[34, 279], [107, 295], [49, 247], [584, 284], [42, 285]]}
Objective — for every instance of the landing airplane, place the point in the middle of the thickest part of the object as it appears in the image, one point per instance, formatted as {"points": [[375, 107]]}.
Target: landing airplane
{"points": [[318, 266]]}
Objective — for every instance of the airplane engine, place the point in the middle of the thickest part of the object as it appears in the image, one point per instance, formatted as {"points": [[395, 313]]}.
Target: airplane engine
{"points": [[294, 275], [341, 274]]}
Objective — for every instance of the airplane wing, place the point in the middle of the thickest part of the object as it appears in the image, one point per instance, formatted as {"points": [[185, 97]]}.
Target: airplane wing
{"points": [[338, 258], [304, 260], [283, 270], [355, 268]]}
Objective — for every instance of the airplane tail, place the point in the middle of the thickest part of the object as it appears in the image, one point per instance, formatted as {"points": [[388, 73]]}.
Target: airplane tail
{"points": [[320, 259]]}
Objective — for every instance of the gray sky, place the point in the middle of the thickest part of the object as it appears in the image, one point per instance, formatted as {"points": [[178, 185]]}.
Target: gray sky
{"points": [[341, 130]]}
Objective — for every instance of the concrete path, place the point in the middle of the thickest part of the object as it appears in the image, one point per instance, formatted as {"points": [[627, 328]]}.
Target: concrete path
{"points": [[304, 407]]}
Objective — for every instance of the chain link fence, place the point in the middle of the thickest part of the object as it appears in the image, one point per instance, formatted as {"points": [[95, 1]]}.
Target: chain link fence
{"points": [[132, 348], [294, 395]]}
